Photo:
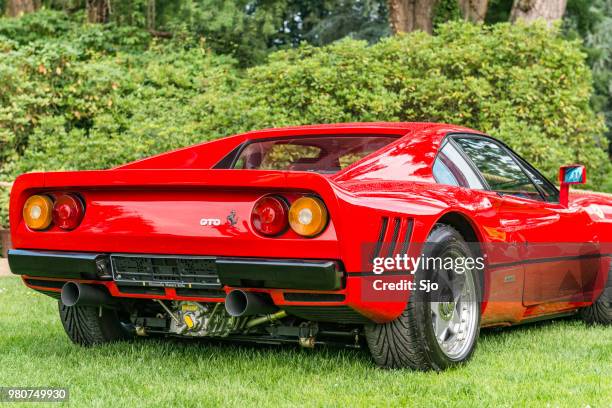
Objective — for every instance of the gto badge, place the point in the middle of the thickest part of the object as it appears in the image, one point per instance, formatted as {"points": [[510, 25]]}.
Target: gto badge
{"points": [[205, 222]]}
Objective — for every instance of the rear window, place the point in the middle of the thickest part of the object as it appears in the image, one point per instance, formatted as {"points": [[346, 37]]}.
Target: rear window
{"points": [[321, 154]]}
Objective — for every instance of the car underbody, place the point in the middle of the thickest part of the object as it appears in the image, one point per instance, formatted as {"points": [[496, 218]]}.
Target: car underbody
{"points": [[189, 299]]}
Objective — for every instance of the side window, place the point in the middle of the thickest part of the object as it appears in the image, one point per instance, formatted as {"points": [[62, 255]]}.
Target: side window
{"points": [[451, 168], [498, 167], [551, 194], [443, 175]]}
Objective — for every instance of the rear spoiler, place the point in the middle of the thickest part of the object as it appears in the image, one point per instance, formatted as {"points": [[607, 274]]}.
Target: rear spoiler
{"points": [[123, 179], [119, 178]]}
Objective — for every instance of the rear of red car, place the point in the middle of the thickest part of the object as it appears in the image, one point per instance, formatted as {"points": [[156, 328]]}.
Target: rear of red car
{"points": [[181, 243], [239, 219], [174, 212]]}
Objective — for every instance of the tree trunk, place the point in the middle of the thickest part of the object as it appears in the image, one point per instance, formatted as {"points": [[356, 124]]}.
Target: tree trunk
{"points": [[474, 10], [531, 10], [15, 8], [411, 15], [151, 15], [98, 11]]}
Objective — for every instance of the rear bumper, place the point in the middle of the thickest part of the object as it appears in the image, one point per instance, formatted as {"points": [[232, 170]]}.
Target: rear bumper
{"points": [[324, 275], [318, 290], [49, 264]]}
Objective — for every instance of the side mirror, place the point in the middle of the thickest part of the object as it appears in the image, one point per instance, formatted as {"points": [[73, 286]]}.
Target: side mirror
{"points": [[568, 175]]}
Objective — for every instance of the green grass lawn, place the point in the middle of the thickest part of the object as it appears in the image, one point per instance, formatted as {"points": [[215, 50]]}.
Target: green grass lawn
{"points": [[559, 363]]}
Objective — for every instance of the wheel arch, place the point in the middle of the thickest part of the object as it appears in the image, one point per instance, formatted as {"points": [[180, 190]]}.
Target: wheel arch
{"points": [[462, 223], [465, 226], [472, 235]]}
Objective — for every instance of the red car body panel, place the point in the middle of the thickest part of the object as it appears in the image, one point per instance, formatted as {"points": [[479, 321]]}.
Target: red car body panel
{"points": [[153, 206]]}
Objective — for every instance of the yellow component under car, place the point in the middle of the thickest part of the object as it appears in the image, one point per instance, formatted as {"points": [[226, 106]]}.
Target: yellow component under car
{"points": [[189, 307], [188, 321]]}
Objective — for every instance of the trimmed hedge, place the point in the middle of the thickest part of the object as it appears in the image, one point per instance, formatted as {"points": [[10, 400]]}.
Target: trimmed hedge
{"points": [[523, 85], [68, 104]]}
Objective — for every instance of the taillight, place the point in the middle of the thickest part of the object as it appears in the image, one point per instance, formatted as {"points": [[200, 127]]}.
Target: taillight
{"points": [[308, 216], [269, 216], [37, 212], [68, 211]]}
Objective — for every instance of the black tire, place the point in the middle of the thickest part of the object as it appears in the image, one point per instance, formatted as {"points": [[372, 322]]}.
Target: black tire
{"points": [[410, 340], [600, 312], [90, 326]]}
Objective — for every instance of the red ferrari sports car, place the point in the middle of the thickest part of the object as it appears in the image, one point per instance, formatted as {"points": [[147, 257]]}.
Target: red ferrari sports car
{"points": [[318, 234]]}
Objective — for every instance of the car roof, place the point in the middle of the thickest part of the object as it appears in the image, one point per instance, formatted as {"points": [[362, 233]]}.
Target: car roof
{"points": [[419, 140], [435, 131], [208, 153]]}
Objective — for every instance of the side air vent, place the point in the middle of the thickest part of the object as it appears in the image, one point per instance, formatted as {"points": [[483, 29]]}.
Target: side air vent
{"points": [[393, 237]]}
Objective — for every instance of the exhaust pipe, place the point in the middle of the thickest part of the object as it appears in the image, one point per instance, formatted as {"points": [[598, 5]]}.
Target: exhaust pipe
{"points": [[78, 294], [240, 303]]}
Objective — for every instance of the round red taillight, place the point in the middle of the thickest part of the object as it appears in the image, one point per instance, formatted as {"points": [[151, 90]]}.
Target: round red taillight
{"points": [[269, 216], [68, 211]]}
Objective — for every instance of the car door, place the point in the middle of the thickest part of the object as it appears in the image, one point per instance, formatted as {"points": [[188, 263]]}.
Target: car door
{"points": [[554, 240], [502, 244]]}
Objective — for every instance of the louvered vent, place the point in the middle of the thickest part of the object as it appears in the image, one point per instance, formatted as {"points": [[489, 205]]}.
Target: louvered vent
{"points": [[393, 237]]}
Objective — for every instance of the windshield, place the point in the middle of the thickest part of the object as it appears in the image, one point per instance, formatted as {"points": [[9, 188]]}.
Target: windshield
{"points": [[321, 154]]}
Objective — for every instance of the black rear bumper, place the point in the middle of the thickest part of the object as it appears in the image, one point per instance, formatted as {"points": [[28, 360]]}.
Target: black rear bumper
{"points": [[50, 264], [168, 270], [283, 274]]}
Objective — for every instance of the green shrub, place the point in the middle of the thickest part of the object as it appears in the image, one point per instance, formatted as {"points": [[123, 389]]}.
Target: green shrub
{"points": [[525, 85], [49, 27], [4, 206], [109, 110], [78, 104]]}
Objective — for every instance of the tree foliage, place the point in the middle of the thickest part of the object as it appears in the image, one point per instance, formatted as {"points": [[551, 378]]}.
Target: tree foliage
{"points": [[245, 29], [95, 97], [524, 85], [599, 43], [446, 10], [591, 21]]}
